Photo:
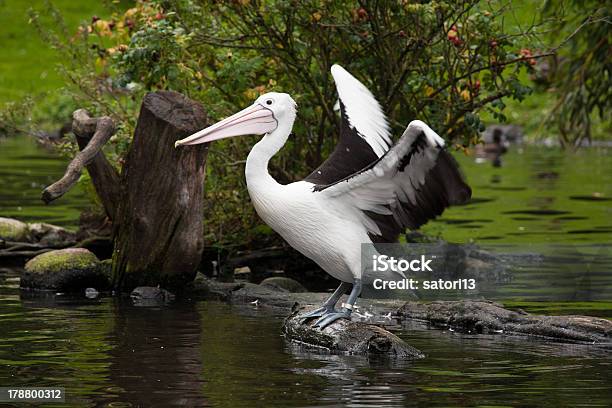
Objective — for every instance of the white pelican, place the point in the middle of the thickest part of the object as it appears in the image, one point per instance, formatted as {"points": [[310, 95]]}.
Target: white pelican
{"points": [[365, 192]]}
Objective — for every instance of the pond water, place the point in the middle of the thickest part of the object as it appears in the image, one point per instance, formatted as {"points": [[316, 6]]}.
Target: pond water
{"points": [[25, 170], [212, 354], [548, 212]]}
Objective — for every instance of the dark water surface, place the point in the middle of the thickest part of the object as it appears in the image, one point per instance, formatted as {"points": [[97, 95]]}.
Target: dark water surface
{"points": [[209, 353], [549, 213]]}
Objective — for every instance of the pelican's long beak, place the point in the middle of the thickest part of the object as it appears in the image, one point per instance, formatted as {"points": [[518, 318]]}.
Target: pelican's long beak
{"points": [[254, 120]]}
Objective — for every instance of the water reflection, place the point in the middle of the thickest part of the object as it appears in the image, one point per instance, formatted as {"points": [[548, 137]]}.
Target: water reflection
{"points": [[464, 370], [108, 353], [355, 381], [155, 359]]}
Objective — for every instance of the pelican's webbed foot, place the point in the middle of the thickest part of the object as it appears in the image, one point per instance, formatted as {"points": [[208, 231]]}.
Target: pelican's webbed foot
{"points": [[322, 311], [329, 318], [346, 310], [329, 305]]}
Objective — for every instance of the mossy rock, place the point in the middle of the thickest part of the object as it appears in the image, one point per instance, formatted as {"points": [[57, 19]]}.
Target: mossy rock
{"points": [[13, 230], [65, 270], [284, 284]]}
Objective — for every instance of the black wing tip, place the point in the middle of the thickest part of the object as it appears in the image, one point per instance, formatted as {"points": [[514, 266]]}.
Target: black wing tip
{"points": [[445, 186], [462, 196], [459, 192]]}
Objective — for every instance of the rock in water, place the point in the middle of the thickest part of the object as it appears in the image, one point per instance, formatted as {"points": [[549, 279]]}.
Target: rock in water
{"points": [[51, 235], [151, 296], [13, 230], [91, 293], [64, 270], [284, 284], [349, 337]]}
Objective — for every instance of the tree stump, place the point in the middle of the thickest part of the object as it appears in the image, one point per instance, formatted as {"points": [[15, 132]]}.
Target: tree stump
{"points": [[159, 223], [156, 204]]}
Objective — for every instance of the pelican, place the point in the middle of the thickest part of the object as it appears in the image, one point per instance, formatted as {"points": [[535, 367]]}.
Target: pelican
{"points": [[367, 191]]}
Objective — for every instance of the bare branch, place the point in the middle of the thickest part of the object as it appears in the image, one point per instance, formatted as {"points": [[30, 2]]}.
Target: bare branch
{"points": [[102, 128]]}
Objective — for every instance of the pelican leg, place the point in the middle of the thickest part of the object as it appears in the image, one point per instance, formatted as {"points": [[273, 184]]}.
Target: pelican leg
{"points": [[345, 312], [328, 306]]}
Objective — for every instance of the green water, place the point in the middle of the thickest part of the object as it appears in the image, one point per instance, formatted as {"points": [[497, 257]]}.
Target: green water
{"points": [[25, 170], [539, 195], [547, 213]]}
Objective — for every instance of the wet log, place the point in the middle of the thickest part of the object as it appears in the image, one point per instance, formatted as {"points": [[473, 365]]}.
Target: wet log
{"points": [[158, 223], [349, 337], [484, 317]]}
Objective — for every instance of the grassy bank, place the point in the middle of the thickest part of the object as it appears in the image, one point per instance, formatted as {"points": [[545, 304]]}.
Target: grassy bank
{"points": [[27, 64]]}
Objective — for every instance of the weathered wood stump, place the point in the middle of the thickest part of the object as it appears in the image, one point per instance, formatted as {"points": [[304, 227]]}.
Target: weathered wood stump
{"points": [[347, 337], [156, 203], [159, 228]]}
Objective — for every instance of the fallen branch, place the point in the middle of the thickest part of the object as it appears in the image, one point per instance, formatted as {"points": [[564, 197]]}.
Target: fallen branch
{"points": [[104, 176], [22, 255], [488, 317], [20, 246], [347, 337]]}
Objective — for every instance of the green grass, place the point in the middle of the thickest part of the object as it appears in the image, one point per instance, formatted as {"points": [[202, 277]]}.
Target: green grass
{"points": [[27, 64]]}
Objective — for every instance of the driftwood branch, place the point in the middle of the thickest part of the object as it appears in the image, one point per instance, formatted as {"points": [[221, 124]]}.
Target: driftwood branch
{"points": [[91, 134], [347, 337], [488, 317]]}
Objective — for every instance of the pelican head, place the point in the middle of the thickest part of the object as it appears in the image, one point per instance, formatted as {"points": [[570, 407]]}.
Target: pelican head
{"points": [[264, 116]]}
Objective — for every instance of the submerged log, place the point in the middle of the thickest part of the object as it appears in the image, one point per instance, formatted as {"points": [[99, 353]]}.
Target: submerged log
{"points": [[488, 317], [159, 230], [467, 316], [347, 337]]}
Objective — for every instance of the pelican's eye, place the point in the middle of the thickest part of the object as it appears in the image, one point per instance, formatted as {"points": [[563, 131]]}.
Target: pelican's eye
{"points": [[269, 102]]}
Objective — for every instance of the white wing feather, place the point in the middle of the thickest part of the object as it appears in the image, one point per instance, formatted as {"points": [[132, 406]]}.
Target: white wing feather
{"points": [[384, 184], [362, 110]]}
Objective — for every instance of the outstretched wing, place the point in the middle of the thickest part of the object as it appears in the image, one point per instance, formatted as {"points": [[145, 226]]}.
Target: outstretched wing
{"points": [[411, 184], [364, 132]]}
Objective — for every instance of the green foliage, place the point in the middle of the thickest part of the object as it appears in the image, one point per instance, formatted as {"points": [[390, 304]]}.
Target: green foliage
{"points": [[444, 62], [583, 74]]}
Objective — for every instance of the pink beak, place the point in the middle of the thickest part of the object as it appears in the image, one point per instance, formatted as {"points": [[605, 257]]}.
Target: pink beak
{"points": [[254, 120]]}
